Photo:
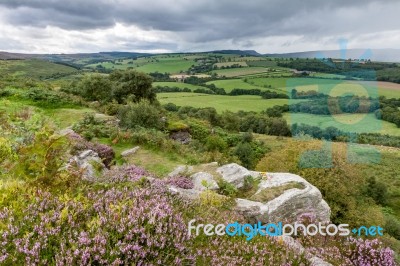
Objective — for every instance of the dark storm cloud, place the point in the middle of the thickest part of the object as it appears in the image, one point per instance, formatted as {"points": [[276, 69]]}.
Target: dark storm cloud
{"points": [[222, 17], [210, 20]]}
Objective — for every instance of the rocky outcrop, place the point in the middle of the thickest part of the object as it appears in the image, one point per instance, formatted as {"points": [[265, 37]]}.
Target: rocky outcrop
{"points": [[235, 174], [183, 137], [88, 163], [288, 206], [279, 197], [289, 196]]}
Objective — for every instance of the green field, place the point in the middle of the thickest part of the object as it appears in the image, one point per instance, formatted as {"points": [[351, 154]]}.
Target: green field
{"points": [[333, 87], [37, 69], [225, 64], [243, 71], [358, 123], [220, 102], [180, 85], [162, 63], [230, 84]]}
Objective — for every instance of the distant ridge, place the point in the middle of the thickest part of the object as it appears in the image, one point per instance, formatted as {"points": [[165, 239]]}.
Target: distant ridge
{"points": [[57, 57], [384, 55], [15, 56], [237, 52]]}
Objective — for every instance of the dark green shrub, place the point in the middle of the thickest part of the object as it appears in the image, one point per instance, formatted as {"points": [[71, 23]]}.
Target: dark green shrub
{"points": [[199, 129], [141, 114], [392, 226], [215, 143], [246, 155], [226, 188], [171, 107]]}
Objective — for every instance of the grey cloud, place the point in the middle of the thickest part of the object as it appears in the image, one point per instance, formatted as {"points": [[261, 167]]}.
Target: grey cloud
{"points": [[210, 20]]}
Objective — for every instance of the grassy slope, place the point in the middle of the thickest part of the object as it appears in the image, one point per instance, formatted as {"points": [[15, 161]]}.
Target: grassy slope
{"points": [[62, 117], [33, 68], [386, 169]]}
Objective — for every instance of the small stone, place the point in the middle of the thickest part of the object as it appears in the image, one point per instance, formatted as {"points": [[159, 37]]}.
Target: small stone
{"points": [[129, 152]]}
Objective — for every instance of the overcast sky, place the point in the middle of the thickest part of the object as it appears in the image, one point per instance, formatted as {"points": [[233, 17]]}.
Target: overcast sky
{"points": [[267, 26]]}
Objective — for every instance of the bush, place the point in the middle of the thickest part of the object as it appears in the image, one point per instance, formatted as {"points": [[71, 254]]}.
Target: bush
{"points": [[39, 162], [141, 114], [245, 153], [95, 87], [215, 143], [226, 188], [91, 127], [5, 150], [171, 107], [199, 130], [392, 226], [132, 85]]}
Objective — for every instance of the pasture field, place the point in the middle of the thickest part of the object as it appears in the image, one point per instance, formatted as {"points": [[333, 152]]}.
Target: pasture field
{"points": [[262, 63], [230, 84], [180, 85], [236, 72], [172, 65], [334, 87], [225, 64], [220, 102], [162, 63], [358, 123]]}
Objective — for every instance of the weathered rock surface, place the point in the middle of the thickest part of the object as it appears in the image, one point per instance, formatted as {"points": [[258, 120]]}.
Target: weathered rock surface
{"points": [[180, 170], [88, 163], [129, 152], [190, 194], [235, 174], [183, 137], [288, 206], [202, 177]]}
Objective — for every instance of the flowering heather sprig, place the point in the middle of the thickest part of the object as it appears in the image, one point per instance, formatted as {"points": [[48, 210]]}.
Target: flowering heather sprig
{"points": [[129, 173], [180, 181], [366, 252], [113, 227], [342, 251]]}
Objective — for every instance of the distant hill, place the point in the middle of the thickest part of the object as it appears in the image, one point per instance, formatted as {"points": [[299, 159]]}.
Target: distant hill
{"points": [[67, 57], [237, 52], [383, 55], [15, 56]]}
